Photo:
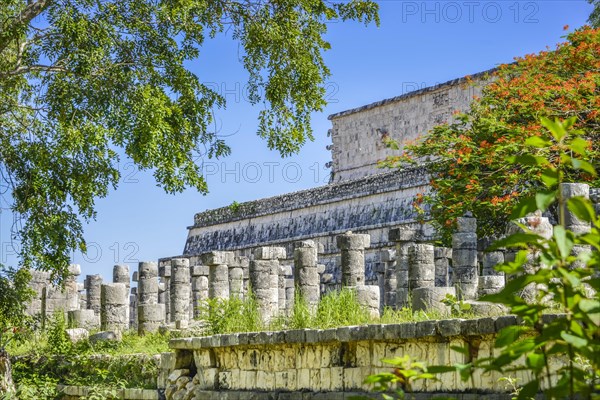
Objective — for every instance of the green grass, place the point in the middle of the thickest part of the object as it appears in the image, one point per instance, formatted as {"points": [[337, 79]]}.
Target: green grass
{"points": [[336, 308]]}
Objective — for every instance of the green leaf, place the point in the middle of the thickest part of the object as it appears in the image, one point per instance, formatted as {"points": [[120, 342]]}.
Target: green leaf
{"points": [[573, 340], [582, 208], [564, 243], [544, 199], [538, 142], [557, 129], [584, 166], [589, 305], [508, 335], [529, 390], [579, 146], [528, 159], [536, 361], [525, 206], [464, 370], [550, 177], [520, 239]]}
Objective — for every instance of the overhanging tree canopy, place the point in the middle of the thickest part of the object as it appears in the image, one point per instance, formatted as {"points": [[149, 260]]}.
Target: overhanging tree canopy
{"points": [[81, 78]]}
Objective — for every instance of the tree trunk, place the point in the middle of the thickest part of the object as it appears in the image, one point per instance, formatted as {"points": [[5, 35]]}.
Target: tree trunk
{"points": [[6, 382]]}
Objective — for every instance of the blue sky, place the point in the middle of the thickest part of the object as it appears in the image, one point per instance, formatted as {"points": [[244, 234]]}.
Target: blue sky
{"points": [[419, 43]]}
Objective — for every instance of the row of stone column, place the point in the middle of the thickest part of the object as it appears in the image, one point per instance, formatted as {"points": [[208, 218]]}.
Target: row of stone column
{"points": [[415, 270]]}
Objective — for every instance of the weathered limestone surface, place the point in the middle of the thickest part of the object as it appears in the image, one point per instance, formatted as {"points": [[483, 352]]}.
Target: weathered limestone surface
{"points": [[264, 278], [86, 319], [421, 266], [218, 273], [121, 274], [114, 311], [92, 286], [430, 298], [390, 278], [358, 134], [180, 290], [372, 205], [352, 247], [150, 314], [331, 362], [464, 258]]}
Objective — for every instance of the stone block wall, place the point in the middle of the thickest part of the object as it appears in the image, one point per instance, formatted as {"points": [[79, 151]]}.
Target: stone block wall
{"points": [[325, 363], [370, 205], [358, 134]]}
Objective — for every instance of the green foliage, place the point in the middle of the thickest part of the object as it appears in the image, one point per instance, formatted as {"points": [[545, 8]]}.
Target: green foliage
{"points": [[34, 387], [562, 354], [458, 308], [101, 371], [467, 157], [594, 18], [231, 315], [340, 308], [83, 82], [301, 316], [234, 207], [58, 340], [567, 278], [15, 294]]}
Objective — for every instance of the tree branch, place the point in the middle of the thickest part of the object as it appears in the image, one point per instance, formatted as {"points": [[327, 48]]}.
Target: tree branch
{"points": [[32, 10], [33, 68]]}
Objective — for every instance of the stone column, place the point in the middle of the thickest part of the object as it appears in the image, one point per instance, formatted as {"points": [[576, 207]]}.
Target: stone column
{"points": [[572, 223], [390, 278], [150, 317], [421, 266], [285, 271], [595, 198], [72, 287], [306, 274], [352, 248], [147, 288], [430, 298], [92, 286], [150, 314], [489, 261], [121, 275], [39, 280], [567, 191], [133, 305], [199, 288], [368, 297], [264, 280], [114, 307], [236, 278], [464, 258], [290, 294], [164, 272], [218, 273], [82, 296], [180, 291], [442, 255], [163, 296], [83, 319], [57, 298], [405, 238], [244, 264]]}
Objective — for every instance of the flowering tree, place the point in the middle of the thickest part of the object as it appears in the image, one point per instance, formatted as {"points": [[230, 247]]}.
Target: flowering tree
{"points": [[468, 157]]}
